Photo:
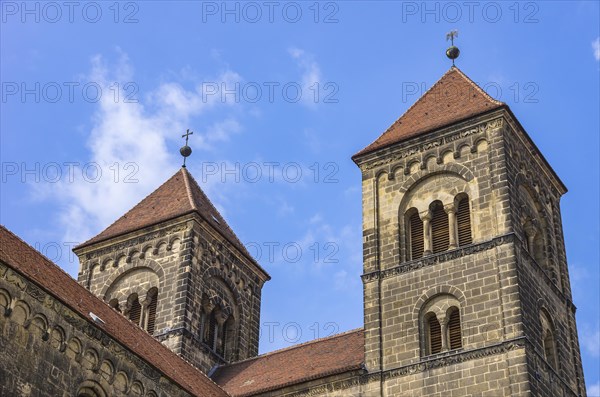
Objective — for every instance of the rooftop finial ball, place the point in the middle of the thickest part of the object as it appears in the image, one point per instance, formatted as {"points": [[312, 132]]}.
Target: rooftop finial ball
{"points": [[185, 151], [452, 52]]}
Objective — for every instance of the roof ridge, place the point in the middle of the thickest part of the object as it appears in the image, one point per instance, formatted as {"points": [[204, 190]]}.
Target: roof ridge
{"points": [[186, 181], [452, 69], [477, 87], [453, 97], [224, 224], [34, 249], [303, 344], [422, 96], [124, 216]]}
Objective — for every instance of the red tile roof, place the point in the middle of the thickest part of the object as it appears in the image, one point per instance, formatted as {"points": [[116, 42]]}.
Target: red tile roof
{"points": [[454, 97], [296, 364], [35, 267], [178, 196]]}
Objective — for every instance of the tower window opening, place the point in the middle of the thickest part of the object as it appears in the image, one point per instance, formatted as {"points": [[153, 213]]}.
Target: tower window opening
{"points": [[440, 232], [417, 243], [463, 221]]}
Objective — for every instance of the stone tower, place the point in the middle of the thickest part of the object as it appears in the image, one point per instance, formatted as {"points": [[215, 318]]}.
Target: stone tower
{"points": [[173, 266], [466, 286]]}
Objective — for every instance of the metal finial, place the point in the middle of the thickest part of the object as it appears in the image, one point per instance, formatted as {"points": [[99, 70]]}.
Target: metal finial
{"points": [[186, 150], [452, 52]]}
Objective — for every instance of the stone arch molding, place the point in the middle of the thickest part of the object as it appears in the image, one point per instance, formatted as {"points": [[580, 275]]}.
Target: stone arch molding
{"points": [[446, 194], [452, 168], [148, 265], [435, 291], [214, 273]]}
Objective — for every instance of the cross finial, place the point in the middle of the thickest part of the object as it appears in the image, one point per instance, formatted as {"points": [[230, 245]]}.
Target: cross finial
{"points": [[186, 150], [452, 52]]}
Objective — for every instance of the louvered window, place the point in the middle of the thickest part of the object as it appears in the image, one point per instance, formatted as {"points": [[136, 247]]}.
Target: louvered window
{"points": [[416, 236], [212, 330], [135, 311], [549, 349], [454, 332], [463, 220], [221, 348], [440, 233], [152, 314], [435, 335]]}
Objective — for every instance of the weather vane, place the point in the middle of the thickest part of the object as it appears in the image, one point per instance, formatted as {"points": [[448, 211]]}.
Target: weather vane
{"points": [[186, 150], [452, 52]]}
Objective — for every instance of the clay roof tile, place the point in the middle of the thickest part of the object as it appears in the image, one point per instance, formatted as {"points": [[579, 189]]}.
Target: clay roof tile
{"points": [[454, 97]]}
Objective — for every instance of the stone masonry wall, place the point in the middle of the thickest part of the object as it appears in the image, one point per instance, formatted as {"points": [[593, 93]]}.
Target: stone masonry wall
{"points": [[187, 261], [47, 350]]}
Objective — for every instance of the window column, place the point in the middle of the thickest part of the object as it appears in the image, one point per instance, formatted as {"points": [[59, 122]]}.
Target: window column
{"points": [[426, 218], [451, 211]]}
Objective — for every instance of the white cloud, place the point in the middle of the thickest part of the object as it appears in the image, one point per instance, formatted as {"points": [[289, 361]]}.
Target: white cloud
{"points": [[128, 144], [310, 80], [590, 340], [593, 390], [596, 47]]}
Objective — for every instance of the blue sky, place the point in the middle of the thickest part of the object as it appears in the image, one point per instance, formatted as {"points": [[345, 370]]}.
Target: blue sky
{"points": [[96, 95]]}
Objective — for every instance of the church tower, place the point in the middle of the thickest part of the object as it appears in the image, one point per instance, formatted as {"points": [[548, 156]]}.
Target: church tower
{"points": [[173, 266], [466, 285]]}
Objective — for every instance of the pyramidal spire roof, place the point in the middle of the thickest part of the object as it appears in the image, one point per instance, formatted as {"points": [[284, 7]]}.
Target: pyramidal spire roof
{"points": [[178, 196], [454, 97]]}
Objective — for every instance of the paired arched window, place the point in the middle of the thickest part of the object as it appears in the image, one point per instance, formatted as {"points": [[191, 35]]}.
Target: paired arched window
{"points": [[140, 313], [440, 325], [217, 329], [548, 340], [440, 228], [135, 309]]}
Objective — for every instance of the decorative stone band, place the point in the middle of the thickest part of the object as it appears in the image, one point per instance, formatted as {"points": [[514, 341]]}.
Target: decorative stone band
{"points": [[456, 357], [440, 257], [136, 241], [362, 378], [431, 260], [438, 142]]}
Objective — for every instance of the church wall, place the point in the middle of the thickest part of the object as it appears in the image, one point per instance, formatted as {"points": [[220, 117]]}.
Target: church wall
{"points": [[542, 268], [503, 374], [49, 350]]}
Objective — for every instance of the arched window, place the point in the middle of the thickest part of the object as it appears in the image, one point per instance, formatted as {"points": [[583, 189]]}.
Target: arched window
{"points": [[91, 389], [210, 334], [114, 303], [440, 325], [440, 232], [151, 311], [415, 225], [548, 340], [463, 222], [135, 309], [229, 338], [434, 334], [454, 332]]}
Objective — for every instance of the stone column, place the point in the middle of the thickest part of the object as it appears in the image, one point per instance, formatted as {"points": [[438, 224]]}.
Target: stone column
{"points": [[443, 320], [427, 247], [219, 341], [451, 211]]}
